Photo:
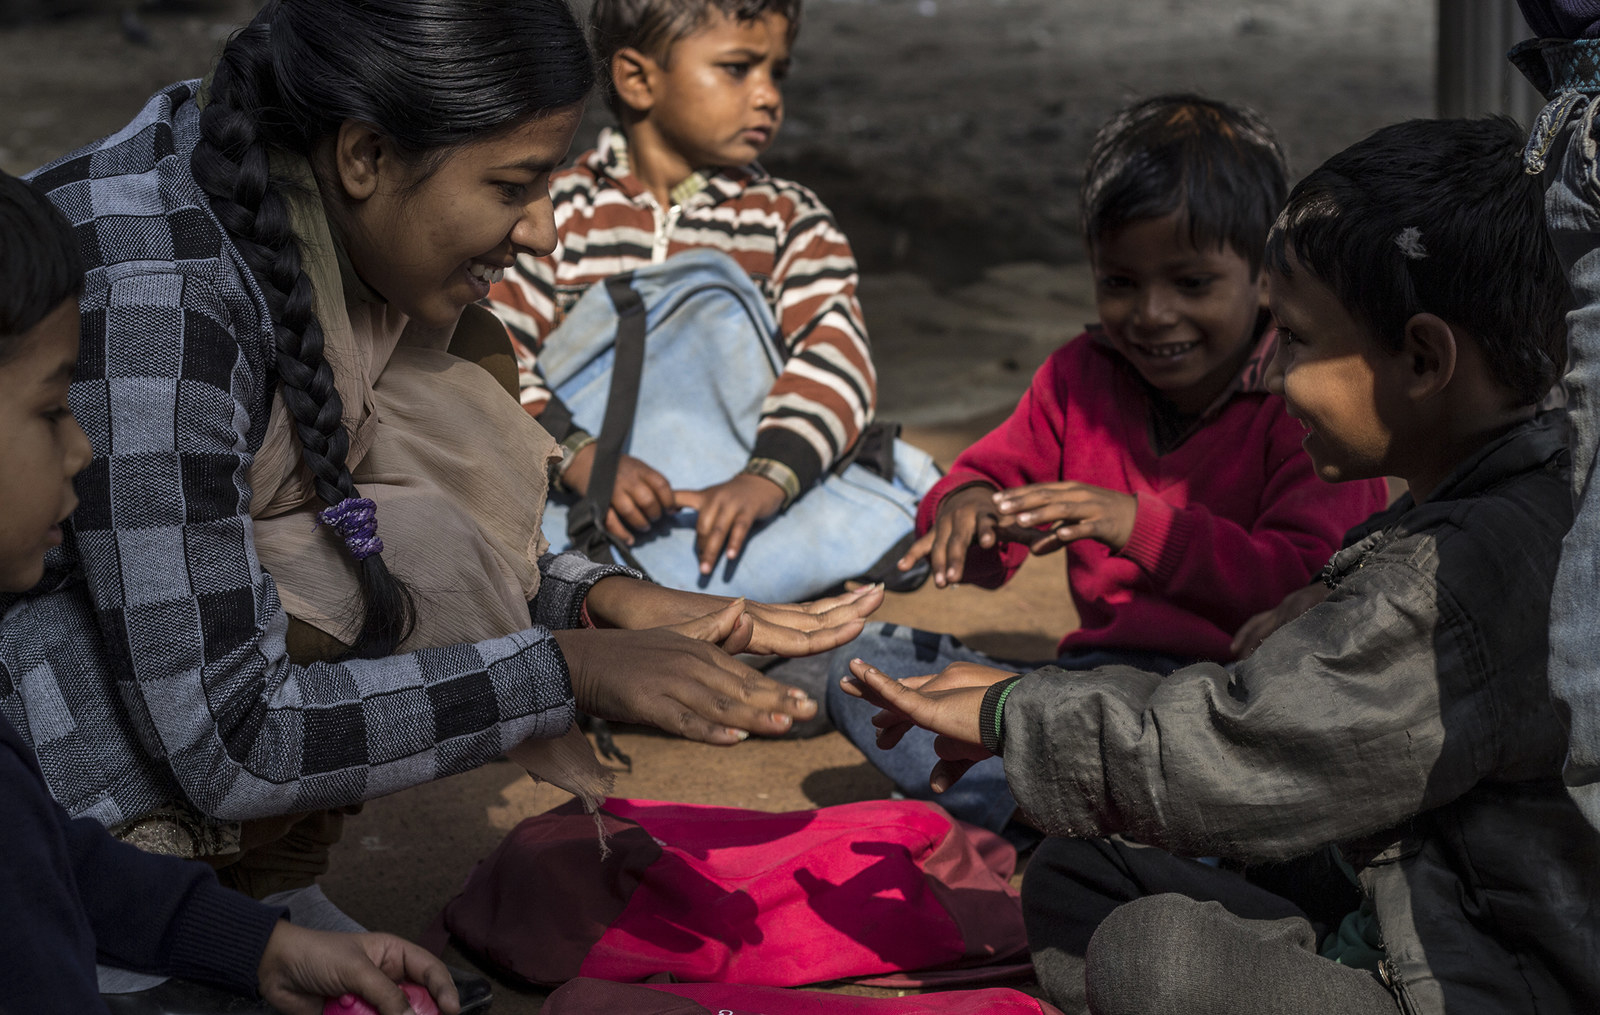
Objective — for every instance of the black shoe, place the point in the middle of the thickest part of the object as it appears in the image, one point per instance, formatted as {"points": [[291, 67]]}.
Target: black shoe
{"points": [[475, 992], [894, 579], [810, 674]]}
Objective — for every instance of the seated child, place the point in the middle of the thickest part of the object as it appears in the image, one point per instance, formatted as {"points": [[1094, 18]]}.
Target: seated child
{"points": [[1147, 448], [69, 891], [751, 406], [1406, 719]]}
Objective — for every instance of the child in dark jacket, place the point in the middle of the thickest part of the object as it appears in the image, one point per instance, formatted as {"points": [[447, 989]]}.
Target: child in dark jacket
{"points": [[69, 891], [1562, 64], [1147, 449], [1405, 719]]}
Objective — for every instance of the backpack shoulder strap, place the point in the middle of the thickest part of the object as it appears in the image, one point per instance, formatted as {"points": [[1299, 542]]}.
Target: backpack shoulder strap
{"points": [[586, 520]]}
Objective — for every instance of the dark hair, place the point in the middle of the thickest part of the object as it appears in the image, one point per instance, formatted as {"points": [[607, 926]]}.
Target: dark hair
{"points": [[653, 27], [40, 267], [432, 76], [1217, 164], [1436, 216]]}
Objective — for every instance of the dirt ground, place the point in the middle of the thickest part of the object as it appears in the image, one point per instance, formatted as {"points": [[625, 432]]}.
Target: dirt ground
{"points": [[947, 135]]}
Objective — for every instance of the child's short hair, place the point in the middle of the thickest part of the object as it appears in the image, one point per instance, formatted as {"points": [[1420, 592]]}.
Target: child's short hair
{"points": [[1217, 164], [1437, 216], [40, 267], [653, 27]]}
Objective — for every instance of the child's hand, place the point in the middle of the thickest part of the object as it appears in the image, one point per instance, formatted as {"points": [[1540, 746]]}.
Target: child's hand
{"points": [[300, 969], [640, 496], [1255, 630], [967, 517], [819, 625], [947, 703], [727, 513], [1073, 510]]}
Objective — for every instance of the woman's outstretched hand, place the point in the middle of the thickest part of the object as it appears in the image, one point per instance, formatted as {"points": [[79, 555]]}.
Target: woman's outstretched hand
{"points": [[946, 703], [300, 969], [798, 629], [681, 679]]}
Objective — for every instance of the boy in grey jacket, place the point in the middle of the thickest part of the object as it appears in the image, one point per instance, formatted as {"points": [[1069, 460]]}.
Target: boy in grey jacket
{"points": [[1403, 717]]}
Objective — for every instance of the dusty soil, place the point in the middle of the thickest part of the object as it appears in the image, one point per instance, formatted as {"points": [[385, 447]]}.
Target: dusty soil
{"points": [[947, 135]]}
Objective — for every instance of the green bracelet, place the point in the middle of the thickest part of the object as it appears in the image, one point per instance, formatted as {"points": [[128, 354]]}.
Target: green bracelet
{"points": [[991, 716]]}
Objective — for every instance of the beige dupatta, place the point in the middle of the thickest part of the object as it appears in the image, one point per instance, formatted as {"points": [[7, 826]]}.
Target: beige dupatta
{"points": [[458, 471]]}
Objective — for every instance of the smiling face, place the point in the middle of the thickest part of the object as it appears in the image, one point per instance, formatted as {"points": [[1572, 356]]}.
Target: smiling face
{"points": [[41, 445], [1185, 318], [432, 244], [717, 99], [1335, 378]]}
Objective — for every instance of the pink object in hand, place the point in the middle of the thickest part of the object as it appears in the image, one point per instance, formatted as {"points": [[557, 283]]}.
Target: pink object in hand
{"points": [[349, 1004]]}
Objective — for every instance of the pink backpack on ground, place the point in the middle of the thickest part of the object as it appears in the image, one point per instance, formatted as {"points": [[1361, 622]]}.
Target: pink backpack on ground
{"points": [[602, 997], [723, 895]]}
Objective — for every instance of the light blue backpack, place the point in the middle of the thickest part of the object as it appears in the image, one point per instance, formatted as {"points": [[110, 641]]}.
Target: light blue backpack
{"points": [[670, 364]]}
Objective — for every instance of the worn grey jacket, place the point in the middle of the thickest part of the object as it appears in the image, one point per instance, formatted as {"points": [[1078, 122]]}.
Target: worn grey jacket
{"points": [[1406, 719]]}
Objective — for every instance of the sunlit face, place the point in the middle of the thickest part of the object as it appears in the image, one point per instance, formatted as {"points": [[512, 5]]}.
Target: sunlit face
{"points": [[1185, 318], [1335, 378], [41, 445], [433, 247], [717, 98]]}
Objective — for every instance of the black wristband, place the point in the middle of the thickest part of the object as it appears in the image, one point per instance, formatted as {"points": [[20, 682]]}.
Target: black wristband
{"points": [[991, 715]]}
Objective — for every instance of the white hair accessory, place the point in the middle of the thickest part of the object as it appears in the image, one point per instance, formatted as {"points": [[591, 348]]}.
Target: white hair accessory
{"points": [[1409, 240]]}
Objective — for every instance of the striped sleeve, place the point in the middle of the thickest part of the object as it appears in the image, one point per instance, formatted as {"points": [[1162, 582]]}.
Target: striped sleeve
{"points": [[525, 301], [827, 391]]}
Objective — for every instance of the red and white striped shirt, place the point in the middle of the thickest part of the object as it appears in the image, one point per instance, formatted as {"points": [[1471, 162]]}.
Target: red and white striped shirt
{"points": [[607, 223]]}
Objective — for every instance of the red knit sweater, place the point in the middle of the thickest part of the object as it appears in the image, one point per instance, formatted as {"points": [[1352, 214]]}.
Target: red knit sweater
{"points": [[1229, 521]]}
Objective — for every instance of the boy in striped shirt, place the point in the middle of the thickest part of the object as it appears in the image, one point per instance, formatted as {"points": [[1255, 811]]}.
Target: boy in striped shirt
{"points": [[696, 88]]}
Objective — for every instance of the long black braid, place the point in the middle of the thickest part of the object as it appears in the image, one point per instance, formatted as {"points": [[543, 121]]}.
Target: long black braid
{"points": [[432, 75]]}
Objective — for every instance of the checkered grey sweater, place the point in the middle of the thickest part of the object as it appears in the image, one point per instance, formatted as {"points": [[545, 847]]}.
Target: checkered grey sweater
{"points": [[151, 667]]}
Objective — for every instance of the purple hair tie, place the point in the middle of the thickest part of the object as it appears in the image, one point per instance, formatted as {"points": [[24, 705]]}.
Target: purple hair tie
{"points": [[356, 521]]}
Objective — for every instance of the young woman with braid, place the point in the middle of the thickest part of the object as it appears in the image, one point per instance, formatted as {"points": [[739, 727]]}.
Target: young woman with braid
{"points": [[301, 575]]}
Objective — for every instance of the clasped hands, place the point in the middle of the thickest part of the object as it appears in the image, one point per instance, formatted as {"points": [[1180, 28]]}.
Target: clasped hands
{"points": [[1043, 516], [726, 512]]}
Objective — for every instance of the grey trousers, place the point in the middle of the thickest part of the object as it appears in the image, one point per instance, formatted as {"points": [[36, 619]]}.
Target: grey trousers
{"points": [[1118, 928]]}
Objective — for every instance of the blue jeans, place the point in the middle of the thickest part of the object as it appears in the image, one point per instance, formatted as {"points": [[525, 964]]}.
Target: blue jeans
{"points": [[981, 796], [1565, 148]]}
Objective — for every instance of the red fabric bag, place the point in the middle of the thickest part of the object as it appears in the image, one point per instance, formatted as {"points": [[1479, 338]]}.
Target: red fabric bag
{"points": [[718, 894], [602, 997]]}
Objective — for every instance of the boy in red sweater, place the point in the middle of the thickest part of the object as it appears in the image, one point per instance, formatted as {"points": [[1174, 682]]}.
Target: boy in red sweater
{"points": [[1148, 448]]}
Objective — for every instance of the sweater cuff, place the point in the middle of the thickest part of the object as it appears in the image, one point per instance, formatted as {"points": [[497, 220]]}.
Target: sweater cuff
{"points": [[776, 472], [564, 583], [992, 714], [220, 937], [777, 444], [1160, 537], [573, 443]]}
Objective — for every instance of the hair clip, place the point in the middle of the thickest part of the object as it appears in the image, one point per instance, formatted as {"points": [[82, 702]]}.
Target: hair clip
{"points": [[1409, 240], [355, 519]]}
